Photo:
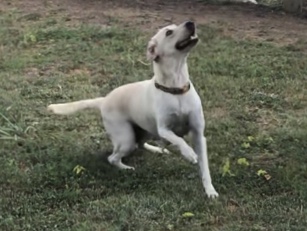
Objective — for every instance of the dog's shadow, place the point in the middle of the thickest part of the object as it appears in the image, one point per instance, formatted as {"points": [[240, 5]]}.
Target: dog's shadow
{"points": [[101, 174]]}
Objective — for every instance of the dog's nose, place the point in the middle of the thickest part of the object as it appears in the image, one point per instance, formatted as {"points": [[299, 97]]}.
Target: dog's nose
{"points": [[190, 26]]}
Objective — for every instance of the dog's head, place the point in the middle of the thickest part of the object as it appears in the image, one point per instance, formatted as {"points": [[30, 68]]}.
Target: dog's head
{"points": [[172, 41]]}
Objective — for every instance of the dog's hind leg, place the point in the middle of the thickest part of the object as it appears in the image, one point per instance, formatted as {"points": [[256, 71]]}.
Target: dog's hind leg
{"points": [[117, 155], [122, 136]]}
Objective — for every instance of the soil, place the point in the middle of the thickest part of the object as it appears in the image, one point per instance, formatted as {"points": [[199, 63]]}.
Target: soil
{"points": [[241, 21]]}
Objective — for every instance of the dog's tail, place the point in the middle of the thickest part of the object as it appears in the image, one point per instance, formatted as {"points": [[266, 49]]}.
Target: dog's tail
{"points": [[70, 108]]}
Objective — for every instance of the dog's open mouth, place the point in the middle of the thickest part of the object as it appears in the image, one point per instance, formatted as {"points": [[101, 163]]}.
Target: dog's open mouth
{"points": [[190, 41]]}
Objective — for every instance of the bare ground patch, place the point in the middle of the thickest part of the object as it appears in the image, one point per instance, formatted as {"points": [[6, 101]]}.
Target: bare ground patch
{"points": [[241, 21]]}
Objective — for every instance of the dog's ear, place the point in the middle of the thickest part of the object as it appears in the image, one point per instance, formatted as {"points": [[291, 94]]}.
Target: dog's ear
{"points": [[152, 54]]}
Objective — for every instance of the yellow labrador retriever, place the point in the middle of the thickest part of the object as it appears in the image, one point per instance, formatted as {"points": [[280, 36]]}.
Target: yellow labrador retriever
{"points": [[166, 107]]}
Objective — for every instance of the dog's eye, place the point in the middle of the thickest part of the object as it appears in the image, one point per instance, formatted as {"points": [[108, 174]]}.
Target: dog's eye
{"points": [[168, 33]]}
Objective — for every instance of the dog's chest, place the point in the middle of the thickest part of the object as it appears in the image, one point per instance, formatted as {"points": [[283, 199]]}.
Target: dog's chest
{"points": [[178, 114], [178, 123]]}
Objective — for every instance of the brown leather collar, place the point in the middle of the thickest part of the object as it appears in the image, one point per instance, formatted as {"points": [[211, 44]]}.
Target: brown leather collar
{"points": [[174, 90]]}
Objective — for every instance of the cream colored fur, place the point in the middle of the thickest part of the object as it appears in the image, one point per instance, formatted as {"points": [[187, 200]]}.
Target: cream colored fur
{"points": [[160, 114]]}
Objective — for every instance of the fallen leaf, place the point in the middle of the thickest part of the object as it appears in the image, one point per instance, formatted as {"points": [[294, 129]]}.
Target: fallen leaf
{"points": [[261, 172], [243, 161], [267, 176], [226, 169], [250, 138], [78, 169], [264, 173], [246, 145], [188, 214]]}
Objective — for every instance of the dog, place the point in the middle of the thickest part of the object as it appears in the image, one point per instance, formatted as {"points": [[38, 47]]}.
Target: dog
{"points": [[166, 107]]}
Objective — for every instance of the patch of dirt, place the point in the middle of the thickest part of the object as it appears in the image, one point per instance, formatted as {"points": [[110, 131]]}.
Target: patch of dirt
{"points": [[218, 113], [241, 21]]}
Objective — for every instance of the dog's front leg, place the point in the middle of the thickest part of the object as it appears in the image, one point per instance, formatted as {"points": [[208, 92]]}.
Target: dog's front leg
{"points": [[180, 143], [200, 147]]}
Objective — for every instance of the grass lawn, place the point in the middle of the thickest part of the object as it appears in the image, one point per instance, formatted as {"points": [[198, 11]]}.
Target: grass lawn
{"points": [[254, 98]]}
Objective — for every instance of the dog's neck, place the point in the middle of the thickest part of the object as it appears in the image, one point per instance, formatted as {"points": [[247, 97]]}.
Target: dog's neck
{"points": [[171, 72]]}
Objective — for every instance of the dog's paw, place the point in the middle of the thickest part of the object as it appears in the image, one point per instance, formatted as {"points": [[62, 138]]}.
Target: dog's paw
{"points": [[56, 109], [50, 108], [129, 168], [211, 192], [165, 151], [118, 163], [124, 167], [189, 154], [156, 149]]}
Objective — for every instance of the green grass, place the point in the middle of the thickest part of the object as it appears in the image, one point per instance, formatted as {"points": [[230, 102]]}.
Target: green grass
{"points": [[254, 97]]}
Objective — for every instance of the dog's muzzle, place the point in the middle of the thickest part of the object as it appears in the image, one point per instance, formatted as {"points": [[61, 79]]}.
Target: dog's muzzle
{"points": [[190, 40]]}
